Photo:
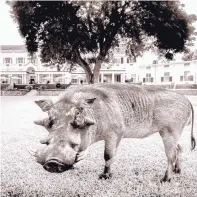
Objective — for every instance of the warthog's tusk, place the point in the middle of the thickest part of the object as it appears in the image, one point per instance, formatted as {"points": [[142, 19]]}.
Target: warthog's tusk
{"points": [[81, 156], [31, 151]]}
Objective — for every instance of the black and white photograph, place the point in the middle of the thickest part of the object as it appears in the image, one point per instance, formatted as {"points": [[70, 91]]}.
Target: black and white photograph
{"points": [[98, 98]]}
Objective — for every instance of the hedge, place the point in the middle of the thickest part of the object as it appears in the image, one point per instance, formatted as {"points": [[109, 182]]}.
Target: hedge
{"points": [[52, 86], [13, 92], [35, 86], [64, 86], [51, 92], [178, 86]]}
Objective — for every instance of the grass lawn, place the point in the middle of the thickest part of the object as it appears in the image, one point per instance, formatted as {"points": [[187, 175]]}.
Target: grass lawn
{"points": [[138, 168]]}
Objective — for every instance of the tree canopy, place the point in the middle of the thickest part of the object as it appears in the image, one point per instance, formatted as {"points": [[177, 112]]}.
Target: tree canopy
{"points": [[189, 56], [84, 32]]}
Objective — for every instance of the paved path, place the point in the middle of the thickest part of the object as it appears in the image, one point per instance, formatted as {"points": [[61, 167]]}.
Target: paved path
{"points": [[31, 93]]}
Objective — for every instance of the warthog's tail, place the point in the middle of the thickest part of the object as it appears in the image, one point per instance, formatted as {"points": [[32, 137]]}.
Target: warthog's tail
{"points": [[193, 141]]}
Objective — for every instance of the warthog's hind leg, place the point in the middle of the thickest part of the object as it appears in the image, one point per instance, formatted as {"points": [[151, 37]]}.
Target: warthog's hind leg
{"points": [[177, 166], [170, 144]]}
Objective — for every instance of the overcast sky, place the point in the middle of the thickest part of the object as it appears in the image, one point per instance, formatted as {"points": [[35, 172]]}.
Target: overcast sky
{"points": [[9, 33]]}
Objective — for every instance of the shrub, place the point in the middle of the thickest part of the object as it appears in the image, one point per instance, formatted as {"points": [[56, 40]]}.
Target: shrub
{"points": [[4, 86], [29, 88]]}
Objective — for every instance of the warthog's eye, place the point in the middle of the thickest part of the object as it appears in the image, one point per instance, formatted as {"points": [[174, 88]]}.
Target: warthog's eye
{"points": [[74, 145], [51, 123]]}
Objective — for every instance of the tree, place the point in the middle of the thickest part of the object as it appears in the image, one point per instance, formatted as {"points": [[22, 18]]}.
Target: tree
{"points": [[84, 33], [190, 55]]}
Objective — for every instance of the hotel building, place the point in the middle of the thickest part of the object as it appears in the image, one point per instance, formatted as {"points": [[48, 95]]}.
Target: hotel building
{"points": [[16, 66]]}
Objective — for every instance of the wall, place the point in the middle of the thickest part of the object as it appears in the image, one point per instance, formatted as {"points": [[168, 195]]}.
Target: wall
{"points": [[13, 92], [176, 69], [49, 92]]}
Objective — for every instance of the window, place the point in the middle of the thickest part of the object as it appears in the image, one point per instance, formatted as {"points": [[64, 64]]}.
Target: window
{"points": [[190, 78], [148, 75], [133, 78], [17, 78], [128, 60], [122, 60], [186, 73], [148, 67], [155, 62], [187, 76], [32, 60], [166, 74], [166, 78], [4, 78], [116, 60], [19, 60], [118, 78], [186, 64], [148, 78], [166, 66], [8, 60], [74, 80]]}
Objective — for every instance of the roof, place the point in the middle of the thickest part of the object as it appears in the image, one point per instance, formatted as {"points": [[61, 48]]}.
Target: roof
{"points": [[5, 48]]}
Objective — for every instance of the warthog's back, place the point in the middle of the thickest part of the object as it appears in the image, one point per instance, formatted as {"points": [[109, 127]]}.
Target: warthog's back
{"points": [[141, 109]]}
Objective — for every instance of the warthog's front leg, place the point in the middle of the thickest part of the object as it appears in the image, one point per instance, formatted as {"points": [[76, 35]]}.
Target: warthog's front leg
{"points": [[111, 145]]}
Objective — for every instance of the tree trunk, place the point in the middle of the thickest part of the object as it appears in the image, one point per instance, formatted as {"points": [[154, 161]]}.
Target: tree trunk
{"points": [[90, 77], [85, 66], [96, 71]]}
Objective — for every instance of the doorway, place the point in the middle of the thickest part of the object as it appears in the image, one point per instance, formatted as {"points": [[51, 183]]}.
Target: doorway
{"points": [[32, 79]]}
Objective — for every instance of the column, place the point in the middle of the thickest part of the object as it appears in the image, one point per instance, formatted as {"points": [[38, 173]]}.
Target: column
{"points": [[51, 78], [10, 78], [113, 77], [101, 77], [22, 79], [122, 78], [155, 74], [65, 78], [38, 78]]}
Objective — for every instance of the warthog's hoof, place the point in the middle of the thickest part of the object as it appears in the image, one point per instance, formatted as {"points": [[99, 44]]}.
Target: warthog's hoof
{"points": [[165, 179], [105, 176], [177, 170]]}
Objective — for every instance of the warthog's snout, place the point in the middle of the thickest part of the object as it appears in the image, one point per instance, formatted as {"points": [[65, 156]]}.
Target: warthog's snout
{"points": [[56, 166]]}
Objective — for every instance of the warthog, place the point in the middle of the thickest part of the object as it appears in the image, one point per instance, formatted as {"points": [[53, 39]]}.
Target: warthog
{"points": [[84, 115]]}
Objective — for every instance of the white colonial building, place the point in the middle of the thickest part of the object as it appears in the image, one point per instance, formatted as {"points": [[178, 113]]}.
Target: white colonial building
{"points": [[17, 67], [183, 72]]}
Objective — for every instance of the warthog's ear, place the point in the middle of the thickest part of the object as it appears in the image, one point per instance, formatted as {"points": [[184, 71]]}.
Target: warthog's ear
{"points": [[45, 105], [81, 123], [90, 101], [87, 102], [88, 121], [39, 122]]}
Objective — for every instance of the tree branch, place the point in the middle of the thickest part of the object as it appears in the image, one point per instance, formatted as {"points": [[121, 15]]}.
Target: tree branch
{"points": [[84, 65]]}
